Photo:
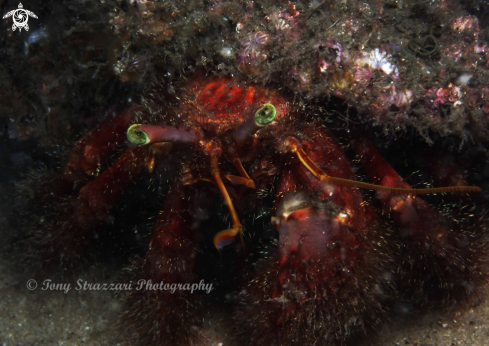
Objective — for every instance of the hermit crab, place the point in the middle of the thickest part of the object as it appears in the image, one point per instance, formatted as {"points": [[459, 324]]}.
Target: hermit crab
{"points": [[330, 275]]}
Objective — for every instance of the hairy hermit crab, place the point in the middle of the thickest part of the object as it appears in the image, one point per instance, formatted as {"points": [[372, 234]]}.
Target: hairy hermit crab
{"points": [[329, 276]]}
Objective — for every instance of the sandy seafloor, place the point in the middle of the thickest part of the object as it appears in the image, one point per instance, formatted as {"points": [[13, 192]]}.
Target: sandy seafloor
{"points": [[87, 318]]}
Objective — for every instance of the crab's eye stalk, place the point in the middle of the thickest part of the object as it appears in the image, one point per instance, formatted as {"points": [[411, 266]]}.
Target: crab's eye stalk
{"points": [[137, 136], [265, 115], [244, 134]]}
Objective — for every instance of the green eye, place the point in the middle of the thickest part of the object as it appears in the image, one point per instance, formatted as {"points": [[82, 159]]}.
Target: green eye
{"points": [[136, 135], [265, 114]]}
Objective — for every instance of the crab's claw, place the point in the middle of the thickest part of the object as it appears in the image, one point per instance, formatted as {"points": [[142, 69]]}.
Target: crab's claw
{"points": [[313, 230], [330, 255]]}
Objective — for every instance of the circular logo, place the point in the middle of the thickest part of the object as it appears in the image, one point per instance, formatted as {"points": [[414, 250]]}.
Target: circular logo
{"points": [[32, 284], [20, 17]]}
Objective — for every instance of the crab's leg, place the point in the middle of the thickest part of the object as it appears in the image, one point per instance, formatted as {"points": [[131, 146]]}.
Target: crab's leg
{"points": [[418, 218], [63, 237], [329, 255], [162, 306], [443, 257], [96, 146], [96, 198]]}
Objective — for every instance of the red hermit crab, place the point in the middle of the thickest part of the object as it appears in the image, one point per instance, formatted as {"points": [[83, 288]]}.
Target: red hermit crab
{"points": [[330, 274]]}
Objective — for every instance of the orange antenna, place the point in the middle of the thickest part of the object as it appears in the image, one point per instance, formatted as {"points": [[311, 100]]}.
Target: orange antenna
{"points": [[369, 186], [295, 147]]}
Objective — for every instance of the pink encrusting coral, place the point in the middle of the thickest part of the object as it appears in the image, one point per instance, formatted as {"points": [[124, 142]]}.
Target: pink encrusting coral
{"points": [[398, 77], [253, 52]]}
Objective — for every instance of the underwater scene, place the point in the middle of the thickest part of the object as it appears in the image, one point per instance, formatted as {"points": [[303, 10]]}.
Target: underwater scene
{"points": [[244, 173]]}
